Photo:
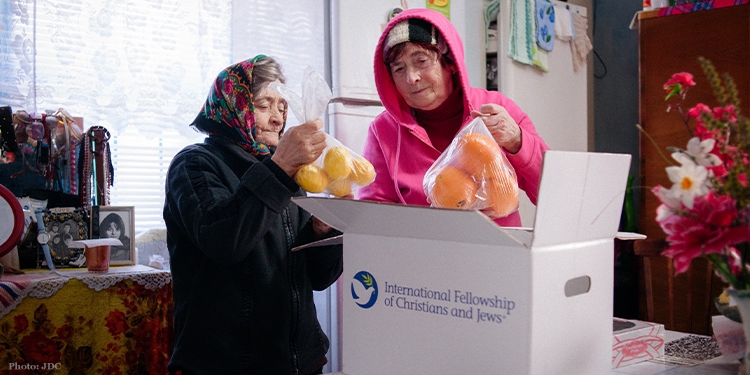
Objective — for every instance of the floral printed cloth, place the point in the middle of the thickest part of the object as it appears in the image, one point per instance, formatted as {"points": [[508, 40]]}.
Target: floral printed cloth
{"points": [[126, 328]]}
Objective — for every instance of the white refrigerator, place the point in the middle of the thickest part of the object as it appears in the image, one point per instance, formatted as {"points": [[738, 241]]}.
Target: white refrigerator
{"points": [[355, 27]]}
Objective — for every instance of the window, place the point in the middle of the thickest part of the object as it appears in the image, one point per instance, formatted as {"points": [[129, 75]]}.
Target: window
{"points": [[141, 69]]}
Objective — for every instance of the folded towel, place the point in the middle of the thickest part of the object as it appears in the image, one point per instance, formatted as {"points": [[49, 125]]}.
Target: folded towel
{"points": [[539, 57], [521, 31], [563, 23], [581, 45], [545, 24]]}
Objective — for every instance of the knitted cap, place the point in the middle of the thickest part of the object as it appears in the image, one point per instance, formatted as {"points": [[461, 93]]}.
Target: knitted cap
{"points": [[414, 30]]}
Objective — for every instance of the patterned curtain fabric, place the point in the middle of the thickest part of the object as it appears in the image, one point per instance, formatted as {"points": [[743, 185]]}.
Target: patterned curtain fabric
{"points": [[116, 64]]}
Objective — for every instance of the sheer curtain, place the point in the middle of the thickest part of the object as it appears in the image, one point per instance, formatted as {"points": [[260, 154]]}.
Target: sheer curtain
{"points": [[140, 68]]}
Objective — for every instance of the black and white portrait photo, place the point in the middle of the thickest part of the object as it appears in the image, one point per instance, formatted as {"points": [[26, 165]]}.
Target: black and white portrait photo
{"points": [[118, 222]]}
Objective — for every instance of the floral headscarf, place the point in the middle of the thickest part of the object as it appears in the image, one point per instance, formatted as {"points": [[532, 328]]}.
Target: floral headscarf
{"points": [[230, 103]]}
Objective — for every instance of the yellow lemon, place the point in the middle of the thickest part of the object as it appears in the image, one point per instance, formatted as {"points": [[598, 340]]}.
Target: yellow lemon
{"points": [[340, 188], [311, 178], [337, 163], [362, 172]]}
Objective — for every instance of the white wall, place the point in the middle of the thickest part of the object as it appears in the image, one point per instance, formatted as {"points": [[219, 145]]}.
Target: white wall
{"points": [[555, 101]]}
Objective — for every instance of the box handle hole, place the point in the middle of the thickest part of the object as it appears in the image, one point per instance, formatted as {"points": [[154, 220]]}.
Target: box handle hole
{"points": [[578, 285]]}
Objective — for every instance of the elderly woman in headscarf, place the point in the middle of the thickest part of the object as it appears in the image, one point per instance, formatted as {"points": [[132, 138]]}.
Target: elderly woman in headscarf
{"points": [[243, 299], [422, 82]]}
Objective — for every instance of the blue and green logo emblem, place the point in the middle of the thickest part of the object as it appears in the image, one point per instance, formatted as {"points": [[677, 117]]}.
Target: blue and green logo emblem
{"points": [[364, 289]]}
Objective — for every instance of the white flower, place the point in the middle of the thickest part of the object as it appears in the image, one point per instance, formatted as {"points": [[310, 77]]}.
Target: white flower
{"points": [[671, 202], [699, 150], [689, 179]]}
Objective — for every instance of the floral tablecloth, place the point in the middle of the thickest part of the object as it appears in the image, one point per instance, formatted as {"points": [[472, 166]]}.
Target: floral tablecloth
{"points": [[75, 322]]}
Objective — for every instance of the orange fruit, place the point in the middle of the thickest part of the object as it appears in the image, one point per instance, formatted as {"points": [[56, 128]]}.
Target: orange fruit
{"points": [[501, 195], [474, 151], [340, 187], [363, 173], [337, 163], [311, 178], [453, 188]]}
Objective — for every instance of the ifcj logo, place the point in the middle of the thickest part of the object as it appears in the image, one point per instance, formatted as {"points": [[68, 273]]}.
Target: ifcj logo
{"points": [[364, 289]]}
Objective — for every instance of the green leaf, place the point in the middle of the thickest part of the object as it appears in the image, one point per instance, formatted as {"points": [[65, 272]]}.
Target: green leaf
{"points": [[674, 90], [549, 10], [367, 279], [547, 39]]}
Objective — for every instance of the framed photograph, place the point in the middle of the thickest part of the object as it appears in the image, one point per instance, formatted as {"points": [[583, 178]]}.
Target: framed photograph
{"points": [[65, 225], [116, 222]]}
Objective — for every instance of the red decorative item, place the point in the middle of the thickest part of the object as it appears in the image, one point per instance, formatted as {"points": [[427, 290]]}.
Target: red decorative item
{"points": [[10, 212]]}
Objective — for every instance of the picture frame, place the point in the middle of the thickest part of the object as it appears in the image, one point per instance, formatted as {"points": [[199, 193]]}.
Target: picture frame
{"points": [[116, 222], [64, 225]]}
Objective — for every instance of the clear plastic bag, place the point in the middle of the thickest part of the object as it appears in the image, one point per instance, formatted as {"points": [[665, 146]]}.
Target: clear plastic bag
{"points": [[338, 171], [473, 174]]}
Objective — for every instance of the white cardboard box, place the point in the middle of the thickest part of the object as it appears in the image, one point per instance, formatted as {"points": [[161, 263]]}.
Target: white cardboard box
{"points": [[438, 291], [636, 341]]}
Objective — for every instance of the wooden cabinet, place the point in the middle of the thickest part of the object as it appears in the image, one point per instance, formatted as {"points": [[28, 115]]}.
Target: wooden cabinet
{"points": [[668, 45]]}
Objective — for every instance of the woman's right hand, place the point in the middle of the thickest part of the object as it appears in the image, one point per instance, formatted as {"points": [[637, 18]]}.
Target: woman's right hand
{"points": [[299, 146]]}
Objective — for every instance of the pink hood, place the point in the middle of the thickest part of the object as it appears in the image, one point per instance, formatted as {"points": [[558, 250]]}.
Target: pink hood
{"points": [[389, 95], [400, 149]]}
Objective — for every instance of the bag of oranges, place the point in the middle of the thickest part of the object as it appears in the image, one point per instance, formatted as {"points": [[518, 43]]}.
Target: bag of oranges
{"points": [[338, 171], [473, 174]]}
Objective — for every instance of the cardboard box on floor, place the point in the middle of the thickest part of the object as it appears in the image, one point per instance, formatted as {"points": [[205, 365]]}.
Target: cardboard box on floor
{"points": [[437, 291]]}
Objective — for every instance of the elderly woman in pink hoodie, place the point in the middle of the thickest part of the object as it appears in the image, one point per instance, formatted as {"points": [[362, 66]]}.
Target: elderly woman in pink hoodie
{"points": [[422, 81]]}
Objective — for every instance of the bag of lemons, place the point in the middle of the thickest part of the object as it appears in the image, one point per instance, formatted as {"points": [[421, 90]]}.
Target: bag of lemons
{"points": [[338, 171], [473, 173]]}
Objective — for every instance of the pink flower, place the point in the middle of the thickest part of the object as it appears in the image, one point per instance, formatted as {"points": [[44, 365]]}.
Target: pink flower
{"points": [[682, 78], [706, 229], [696, 111], [742, 179], [703, 133], [728, 113]]}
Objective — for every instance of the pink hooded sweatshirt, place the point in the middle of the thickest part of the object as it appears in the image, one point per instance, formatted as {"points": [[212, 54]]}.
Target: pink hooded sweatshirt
{"points": [[400, 149]]}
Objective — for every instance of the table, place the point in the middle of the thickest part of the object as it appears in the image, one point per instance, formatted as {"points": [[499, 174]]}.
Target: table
{"points": [[76, 322], [717, 366]]}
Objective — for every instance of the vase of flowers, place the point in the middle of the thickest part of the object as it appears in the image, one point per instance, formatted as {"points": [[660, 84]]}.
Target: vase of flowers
{"points": [[706, 211]]}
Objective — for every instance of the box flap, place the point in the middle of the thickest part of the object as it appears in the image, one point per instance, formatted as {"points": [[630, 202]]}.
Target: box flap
{"points": [[409, 221], [580, 197]]}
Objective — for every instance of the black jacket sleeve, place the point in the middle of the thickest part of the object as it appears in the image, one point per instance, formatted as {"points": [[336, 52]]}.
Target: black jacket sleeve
{"points": [[218, 215]]}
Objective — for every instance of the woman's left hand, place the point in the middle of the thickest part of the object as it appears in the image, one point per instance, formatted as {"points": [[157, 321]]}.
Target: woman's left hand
{"points": [[320, 228], [503, 128]]}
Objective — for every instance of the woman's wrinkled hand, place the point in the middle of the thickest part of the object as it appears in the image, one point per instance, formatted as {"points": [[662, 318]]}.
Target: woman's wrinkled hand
{"points": [[300, 145], [503, 128]]}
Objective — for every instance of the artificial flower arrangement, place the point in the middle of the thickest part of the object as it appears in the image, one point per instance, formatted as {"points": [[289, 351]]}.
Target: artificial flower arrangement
{"points": [[706, 212]]}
